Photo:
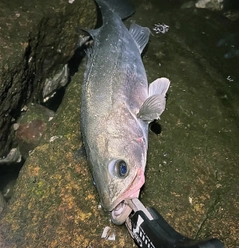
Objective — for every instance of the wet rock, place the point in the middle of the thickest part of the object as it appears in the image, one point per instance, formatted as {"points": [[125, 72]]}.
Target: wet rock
{"points": [[188, 5], [32, 124], [54, 193], [230, 44], [7, 191], [14, 156], [232, 15], [37, 39], [210, 4], [2, 202], [232, 53], [60, 79], [28, 135]]}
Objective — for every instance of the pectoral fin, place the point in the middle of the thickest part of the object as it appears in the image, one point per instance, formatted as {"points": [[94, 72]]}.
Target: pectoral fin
{"points": [[154, 105], [159, 86]]}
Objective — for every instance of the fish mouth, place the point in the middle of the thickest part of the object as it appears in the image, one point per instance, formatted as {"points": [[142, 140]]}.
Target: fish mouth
{"points": [[121, 210]]}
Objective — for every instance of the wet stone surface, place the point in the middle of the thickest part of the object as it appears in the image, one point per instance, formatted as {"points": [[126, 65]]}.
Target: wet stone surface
{"points": [[191, 176], [37, 39], [55, 194], [30, 127]]}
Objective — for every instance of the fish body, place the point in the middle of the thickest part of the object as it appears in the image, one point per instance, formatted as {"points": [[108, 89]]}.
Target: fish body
{"points": [[117, 106]]}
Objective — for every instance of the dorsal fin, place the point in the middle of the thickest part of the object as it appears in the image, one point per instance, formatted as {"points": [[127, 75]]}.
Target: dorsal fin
{"points": [[93, 32], [123, 8]]}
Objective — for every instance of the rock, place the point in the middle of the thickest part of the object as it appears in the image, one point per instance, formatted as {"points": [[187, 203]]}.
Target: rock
{"points": [[232, 53], [230, 42], [7, 191], [32, 124], [54, 193], [2, 202], [14, 156], [28, 131], [210, 4], [59, 80], [232, 15], [37, 39], [188, 5]]}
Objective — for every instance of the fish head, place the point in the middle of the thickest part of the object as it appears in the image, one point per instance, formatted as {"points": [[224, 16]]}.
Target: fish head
{"points": [[120, 159]]}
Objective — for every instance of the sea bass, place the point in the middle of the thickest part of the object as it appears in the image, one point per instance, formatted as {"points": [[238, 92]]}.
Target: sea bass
{"points": [[117, 106]]}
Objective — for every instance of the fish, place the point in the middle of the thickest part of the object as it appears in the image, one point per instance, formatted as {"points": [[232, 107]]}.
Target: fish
{"points": [[117, 106]]}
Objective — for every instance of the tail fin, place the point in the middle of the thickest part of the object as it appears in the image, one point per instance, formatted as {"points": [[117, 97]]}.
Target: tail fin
{"points": [[124, 8]]}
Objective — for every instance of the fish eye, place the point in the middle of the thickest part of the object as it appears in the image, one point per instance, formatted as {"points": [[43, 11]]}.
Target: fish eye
{"points": [[118, 168], [122, 168]]}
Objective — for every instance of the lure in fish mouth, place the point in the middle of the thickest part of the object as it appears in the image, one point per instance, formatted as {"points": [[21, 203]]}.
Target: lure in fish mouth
{"points": [[117, 106], [122, 210]]}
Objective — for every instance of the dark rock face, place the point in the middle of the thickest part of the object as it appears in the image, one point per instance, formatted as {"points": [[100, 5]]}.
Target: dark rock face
{"points": [[2, 202], [31, 126], [37, 38], [31, 132]]}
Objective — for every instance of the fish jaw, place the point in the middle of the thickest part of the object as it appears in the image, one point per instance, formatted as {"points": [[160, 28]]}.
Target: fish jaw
{"points": [[119, 210], [132, 191]]}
